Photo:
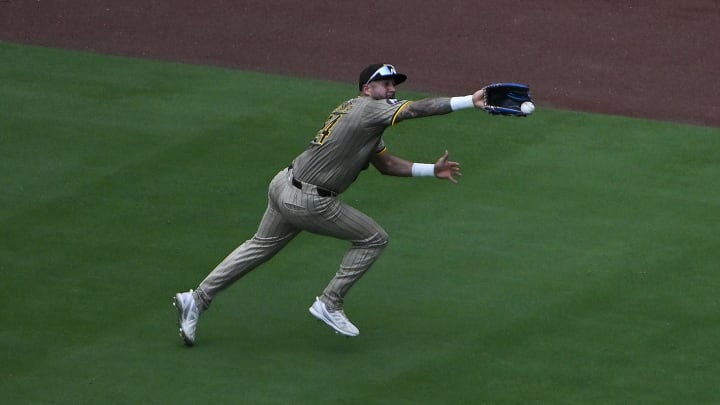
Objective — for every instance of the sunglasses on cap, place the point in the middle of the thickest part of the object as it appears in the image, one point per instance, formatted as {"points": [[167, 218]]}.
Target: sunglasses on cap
{"points": [[384, 70]]}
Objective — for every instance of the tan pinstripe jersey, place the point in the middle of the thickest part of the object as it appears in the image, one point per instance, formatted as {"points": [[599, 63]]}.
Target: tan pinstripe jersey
{"points": [[343, 147]]}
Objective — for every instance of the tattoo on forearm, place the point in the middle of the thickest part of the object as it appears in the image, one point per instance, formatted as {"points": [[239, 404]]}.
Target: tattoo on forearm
{"points": [[426, 107]]}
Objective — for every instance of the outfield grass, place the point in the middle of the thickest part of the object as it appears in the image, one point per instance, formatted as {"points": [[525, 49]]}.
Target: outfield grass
{"points": [[575, 263]]}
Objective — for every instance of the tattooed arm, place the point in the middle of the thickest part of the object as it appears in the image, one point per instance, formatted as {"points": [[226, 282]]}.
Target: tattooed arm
{"points": [[425, 108], [436, 106]]}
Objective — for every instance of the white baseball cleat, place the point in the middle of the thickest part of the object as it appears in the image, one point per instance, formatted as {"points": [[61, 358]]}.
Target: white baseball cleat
{"points": [[188, 315], [335, 319]]}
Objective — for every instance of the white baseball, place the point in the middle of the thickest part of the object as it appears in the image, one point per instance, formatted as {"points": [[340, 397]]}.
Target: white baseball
{"points": [[527, 107]]}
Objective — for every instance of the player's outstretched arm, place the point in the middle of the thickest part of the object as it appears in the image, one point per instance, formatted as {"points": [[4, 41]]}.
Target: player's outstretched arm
{"points": [[392, 165], [441, 105], [425, 108]]}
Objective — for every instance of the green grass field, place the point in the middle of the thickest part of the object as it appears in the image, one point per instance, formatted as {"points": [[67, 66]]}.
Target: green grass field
{"points": [[576, 263]]}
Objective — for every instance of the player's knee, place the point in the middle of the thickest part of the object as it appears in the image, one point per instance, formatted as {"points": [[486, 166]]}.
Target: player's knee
{"points": [[378, 240]]}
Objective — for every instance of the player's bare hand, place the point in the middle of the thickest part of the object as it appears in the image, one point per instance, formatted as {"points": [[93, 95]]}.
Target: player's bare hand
{"points": [[447, 169], [479, 98]]}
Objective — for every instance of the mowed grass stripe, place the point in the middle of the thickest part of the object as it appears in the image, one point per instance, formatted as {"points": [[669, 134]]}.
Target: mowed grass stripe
{"points": [[575, 262]]}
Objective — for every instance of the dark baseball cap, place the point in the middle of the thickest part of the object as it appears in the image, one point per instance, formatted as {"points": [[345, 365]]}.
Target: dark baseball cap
{"points": [[379, 71]]}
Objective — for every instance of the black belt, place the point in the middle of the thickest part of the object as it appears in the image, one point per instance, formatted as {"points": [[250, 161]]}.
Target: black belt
{"points": [[321, 191]]}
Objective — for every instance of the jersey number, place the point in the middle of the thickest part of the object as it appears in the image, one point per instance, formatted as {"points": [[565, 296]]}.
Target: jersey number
{"points": [[325, 132]]}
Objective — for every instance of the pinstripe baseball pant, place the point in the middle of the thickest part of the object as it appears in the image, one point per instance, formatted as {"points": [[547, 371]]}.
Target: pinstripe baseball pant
{"points": [[291, 210]]}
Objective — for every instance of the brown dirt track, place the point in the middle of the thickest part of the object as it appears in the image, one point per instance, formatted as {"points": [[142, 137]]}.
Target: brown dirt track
{"points": [[655, 59]]}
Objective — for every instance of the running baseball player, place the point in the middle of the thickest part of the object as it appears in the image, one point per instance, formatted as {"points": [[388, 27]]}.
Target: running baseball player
{"points": [[304, 196]]}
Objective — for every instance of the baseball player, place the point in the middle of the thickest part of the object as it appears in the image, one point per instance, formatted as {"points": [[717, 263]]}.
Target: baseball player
{"points": [[304, 196]]}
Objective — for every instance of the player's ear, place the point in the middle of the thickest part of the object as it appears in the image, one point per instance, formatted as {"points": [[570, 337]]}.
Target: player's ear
{"points": [[365, 89]]}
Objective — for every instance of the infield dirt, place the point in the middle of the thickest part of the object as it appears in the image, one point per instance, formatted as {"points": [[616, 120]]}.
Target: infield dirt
{"points": [[654, 59]]}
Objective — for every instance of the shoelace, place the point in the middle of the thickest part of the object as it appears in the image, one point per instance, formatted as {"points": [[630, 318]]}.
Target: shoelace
{"points": [[190, 311]]}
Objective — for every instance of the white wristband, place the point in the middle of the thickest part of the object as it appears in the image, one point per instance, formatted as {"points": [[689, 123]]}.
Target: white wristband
{"points": [[423, 169], [459, 103]]}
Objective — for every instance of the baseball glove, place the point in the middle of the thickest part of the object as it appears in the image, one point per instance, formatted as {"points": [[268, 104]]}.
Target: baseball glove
{"points": [[507, 98]]}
